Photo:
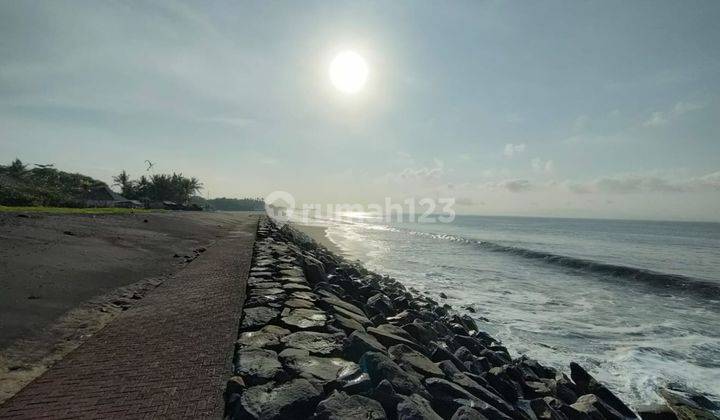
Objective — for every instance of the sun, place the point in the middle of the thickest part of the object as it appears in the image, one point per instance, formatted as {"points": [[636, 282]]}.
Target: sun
{"points": [[348, 72]]}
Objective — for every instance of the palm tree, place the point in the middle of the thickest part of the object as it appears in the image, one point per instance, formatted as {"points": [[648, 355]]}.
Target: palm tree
{"points": [[17, 168], [125, 183], [188, 187]]}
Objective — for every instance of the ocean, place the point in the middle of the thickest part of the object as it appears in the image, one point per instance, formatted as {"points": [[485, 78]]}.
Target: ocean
{"points": [[635, 302]]}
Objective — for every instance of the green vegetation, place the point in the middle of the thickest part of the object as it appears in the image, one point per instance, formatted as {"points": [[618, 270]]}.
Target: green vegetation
{"points": [[42, 186], [159, 187], [47, 189], [72, 210], [231, 204]]}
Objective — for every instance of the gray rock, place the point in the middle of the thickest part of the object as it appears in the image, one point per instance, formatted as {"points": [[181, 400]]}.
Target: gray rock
{"points": [[332, 300], [258, 317], [688, 406], [593, 406], [292, 287], [343, 406], [416, 407], [319, 370], [312, 297], [421, 331], [265, 292], [380, 304], [360, 343], [588, 385], [348, 324], [314, 270], [467, 413], [656, 412], [475, 388], [389, 339], [361, 319], [267, 300], [355, 382], [267, 336], [266, 285], [315, 342], [448, 397], [257, 365], [380, 367], [543, 411], [305, 318], [299, 304], [407, 357], [292, 400], [291, 272]]}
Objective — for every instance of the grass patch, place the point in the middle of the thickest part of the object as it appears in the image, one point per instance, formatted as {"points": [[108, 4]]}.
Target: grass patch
{"points": [[70, 210]]}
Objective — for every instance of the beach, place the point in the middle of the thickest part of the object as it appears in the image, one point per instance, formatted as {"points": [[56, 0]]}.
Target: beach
{"points": [[319, 234], [66, 276]]}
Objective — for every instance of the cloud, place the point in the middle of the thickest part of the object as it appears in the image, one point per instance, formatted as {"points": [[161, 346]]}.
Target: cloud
{"points": [[616, 184], [660, 118], [511, 185], [513, 149], [464, 201], [538, 165], [518, 185], [639, 183], [423, 175], [656, 119], [581, 123]]}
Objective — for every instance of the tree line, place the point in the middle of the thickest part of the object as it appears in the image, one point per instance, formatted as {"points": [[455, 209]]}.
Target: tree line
{"points": [[158, 187]]}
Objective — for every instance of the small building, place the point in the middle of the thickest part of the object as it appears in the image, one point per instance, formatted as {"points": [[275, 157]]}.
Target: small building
{"points": [[103, 196]]}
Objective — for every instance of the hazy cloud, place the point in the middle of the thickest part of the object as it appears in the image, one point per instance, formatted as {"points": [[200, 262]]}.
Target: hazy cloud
{"points": [[542, 166], [514, 149], [659, 118], [638, 183]]}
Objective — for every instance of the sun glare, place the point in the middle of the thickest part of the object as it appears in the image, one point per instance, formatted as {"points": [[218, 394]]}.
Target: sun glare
{"points": [[348, 72]]}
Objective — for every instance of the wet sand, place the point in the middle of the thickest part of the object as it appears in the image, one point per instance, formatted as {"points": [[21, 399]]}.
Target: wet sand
{"points": [[64, 277], [319, 234]]}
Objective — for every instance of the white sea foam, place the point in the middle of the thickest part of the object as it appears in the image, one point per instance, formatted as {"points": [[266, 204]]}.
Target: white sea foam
{"points": [[631, 335]]}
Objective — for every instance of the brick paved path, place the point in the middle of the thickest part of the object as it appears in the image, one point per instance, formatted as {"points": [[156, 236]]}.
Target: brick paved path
{"points": [[167, 356]]}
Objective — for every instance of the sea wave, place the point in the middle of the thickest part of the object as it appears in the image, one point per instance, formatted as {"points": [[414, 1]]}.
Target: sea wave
{"points": [[655, 279]]}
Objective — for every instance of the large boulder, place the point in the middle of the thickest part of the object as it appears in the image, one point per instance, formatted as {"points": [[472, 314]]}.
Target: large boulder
{"points": [[467, 413], [688, 406], [589, 385], [267, 336], [360, 343], [257, 365], [341, 406], [596, 408], [304, 318], [410, 359], [379, 304], [291, 400], [318, 370], [258, 317], [314, 270], [380, 368], [315, 342], [447, 397], [416, 407]]}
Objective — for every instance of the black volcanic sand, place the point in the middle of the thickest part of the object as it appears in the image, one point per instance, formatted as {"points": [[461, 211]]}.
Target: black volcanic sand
{"points": [[62, 277]]}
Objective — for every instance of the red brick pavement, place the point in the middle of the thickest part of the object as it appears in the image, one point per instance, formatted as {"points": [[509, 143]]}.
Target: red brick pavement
{"points": [[169, 355]]}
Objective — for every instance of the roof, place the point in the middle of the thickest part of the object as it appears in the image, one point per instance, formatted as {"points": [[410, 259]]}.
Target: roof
{"points": [[103, 193]]}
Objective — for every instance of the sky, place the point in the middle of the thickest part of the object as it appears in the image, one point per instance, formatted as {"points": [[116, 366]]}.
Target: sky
{"points": [[570, 109]]}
